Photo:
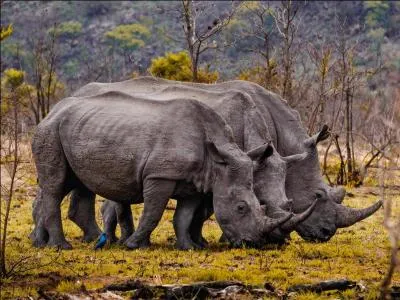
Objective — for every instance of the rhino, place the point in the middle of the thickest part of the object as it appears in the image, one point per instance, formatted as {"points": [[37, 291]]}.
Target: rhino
{"points": [[289, 138], [147, 150], [249, 130]]}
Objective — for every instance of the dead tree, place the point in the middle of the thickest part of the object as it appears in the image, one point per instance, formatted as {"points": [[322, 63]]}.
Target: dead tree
{"points": [[9, 150], [198, 40], [287, 24]]}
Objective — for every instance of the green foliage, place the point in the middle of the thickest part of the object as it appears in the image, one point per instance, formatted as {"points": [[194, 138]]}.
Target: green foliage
{"points": [[376, 13], [67, 30], [177, 66], [128, 37], [14, 77], [13, 85], [6, 31]]}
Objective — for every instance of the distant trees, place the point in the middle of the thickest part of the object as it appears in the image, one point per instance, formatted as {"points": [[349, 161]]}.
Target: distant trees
{"points": [[126, 39]]}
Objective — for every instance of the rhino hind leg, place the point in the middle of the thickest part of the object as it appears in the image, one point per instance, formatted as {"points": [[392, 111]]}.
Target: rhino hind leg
{"points": [[39, 236], [110, 220], [48, 227], [82, 213], [156, 193], [125, 221], [184, 213], [52, 169]]}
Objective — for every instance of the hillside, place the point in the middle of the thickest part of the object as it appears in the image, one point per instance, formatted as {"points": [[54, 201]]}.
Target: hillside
{"points": [[84, 54]]}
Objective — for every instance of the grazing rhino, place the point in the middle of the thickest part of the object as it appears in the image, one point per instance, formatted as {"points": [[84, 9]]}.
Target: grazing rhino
{"points": [[289, 137], [148, 150], [249, 130]]}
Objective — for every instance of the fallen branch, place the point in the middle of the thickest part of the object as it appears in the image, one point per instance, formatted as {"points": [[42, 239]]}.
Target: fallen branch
{"points": [[323, 286]]}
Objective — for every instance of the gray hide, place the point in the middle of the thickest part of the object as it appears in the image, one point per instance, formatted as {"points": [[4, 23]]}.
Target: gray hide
{"points": [[141, 149], [289, 138], [249, 130]]}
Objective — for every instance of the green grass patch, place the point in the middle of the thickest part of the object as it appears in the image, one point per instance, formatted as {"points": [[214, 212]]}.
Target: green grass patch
{"points": [[358, 253]]}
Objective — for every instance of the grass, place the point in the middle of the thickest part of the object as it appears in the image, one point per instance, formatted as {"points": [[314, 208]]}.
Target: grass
{"points": [[358, 253]]}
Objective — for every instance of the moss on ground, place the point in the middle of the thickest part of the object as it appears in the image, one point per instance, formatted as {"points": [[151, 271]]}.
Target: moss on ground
{"points": [[358, 253]]}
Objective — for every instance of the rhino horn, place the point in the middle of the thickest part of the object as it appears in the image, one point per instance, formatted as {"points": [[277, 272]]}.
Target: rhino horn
{"points": [[295, 157], [271, 224], [298, 218], [318, 137], [338, 194], [347, 216]]}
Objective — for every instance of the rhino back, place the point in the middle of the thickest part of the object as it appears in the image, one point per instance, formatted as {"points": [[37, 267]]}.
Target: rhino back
{"points": [[237, 108], [112, 146]]}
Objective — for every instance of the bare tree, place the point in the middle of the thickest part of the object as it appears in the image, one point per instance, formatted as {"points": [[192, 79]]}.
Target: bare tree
{"points": [[9, 149], [198, 39], [287, 24], [258, 38]]}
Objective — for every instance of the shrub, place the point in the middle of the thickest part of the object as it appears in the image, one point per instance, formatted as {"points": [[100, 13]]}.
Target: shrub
{"points": [[177, 66]]}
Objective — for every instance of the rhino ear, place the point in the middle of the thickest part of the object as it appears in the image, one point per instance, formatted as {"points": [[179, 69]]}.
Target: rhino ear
{"points": [[215, 154], [316, 138], [262, 152], [323, 134]]}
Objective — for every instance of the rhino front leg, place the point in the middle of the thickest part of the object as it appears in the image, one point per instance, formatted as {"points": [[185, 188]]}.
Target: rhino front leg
{"points": [[202, 214], [125, 221], [183, 217], [82, 213], [156, 193]]}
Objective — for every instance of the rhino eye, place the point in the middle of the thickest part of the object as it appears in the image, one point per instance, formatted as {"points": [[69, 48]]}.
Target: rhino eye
{"points": [[241, 207], [320, 194]]}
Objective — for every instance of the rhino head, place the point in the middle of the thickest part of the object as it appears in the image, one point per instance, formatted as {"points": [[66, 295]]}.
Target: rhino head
{"points": [[304, 184], [269, 186], [236, 207]]}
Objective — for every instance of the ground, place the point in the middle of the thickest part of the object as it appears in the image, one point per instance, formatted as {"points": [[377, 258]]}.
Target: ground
{"points": [[358, 253]]}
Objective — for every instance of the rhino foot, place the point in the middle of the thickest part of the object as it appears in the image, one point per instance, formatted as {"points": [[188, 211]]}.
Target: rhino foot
{"points": [[202, 242], [64, 245], [91, 236], [134, 244], [187, 245], [39, 237]]}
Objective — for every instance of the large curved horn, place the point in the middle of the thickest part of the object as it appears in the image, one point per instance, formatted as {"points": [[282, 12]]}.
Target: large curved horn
{"points": [[347, 216], [271, 224], [298, 218]]}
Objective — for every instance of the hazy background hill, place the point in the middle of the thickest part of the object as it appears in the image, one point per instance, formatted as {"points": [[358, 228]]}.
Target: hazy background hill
{"points": [[83, 48]]}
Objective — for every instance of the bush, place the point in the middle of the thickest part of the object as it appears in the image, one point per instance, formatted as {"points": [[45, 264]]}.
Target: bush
{"points": [[177, 66], [129, 37], [67, 30]]}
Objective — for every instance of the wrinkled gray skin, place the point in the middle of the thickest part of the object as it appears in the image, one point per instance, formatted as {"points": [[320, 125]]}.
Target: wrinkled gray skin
{"points": [[289, 137], [249, 130], [91, 147]]}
